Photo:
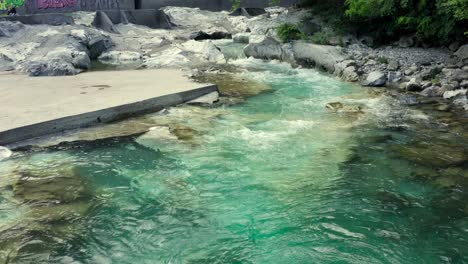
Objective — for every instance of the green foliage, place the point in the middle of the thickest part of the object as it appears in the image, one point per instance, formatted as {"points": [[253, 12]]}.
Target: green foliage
{"points": [[321, 38], [287, 32], [382, 60], [235, 4], [433, 21]]}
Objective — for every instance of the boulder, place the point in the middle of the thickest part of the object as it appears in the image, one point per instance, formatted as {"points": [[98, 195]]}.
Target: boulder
{"points": [[341, 66], [81, 60], [462, 52], [98, 45], [241, 38], [321, 56], [375, 79], [456, 93], [201, 35], [103, 22], [459, 75], [268, 49], [349, 74], [413, 85], [433, 91], [407, 41], [248, 11]]}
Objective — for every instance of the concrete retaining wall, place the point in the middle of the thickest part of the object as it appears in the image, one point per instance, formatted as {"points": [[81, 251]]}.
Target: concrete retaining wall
{"points": [[59, 6]]}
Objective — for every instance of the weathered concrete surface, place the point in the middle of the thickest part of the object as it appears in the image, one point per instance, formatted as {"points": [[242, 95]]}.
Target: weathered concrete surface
{"points": [[32, 107]]}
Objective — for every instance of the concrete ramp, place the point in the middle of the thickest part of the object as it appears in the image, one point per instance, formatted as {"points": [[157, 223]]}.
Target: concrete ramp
{"points": [[36, 106]]}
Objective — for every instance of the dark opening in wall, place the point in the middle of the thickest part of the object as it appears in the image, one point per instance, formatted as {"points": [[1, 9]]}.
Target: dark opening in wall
{"points": [[137, 4]]}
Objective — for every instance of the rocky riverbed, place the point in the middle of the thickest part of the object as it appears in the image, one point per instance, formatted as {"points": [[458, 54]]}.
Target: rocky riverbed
{"points": [[192, 44]]}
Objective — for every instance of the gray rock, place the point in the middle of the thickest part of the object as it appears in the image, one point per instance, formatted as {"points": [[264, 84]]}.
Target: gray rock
{"points": [[393, 65], [426, 84], [447, 87], [464, 84], [268, 49], [454, 46], [98, 45], [321, 56], [376, 79], [103, 22], [349, 74], [3, 33], [241, 38], [6, 64], [407, 41], [462, 52], [9, 28], [248, 11], [456, 93], [433, 91], [81, 60], [409, 72], [339, 67], [366, 40], [51, 69], [394, 77], [429, 73], [459, 75], [413, 85], [201, 35]]}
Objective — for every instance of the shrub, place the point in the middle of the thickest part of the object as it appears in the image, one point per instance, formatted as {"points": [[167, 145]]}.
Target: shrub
{"points": [[287, 32], [382, 60], [321, 38]]}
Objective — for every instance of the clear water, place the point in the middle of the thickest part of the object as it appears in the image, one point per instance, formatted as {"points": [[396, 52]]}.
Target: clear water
{"points": [[276, 179]]}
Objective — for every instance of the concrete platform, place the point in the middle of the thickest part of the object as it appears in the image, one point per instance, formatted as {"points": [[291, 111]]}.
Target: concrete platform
{"points": [[38, 106]]}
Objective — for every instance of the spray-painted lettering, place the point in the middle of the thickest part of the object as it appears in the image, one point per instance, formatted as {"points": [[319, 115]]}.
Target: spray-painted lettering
{"points": [[4, 4], [45, 4]]}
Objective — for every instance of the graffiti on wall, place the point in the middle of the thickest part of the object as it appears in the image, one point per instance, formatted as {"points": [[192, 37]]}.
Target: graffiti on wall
{"points": [[99, 4], [45, 4], [4, 4], [107, 4]]}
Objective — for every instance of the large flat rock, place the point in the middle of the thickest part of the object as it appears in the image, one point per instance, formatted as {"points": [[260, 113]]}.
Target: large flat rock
{"points": [[37, 106]]}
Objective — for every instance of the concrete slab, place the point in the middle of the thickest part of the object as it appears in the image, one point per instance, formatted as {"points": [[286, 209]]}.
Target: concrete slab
{"points": [[37, 106]]}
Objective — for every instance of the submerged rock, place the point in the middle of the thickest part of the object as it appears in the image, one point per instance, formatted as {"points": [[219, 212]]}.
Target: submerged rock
{"points": [[433, 155], [233, 85]]}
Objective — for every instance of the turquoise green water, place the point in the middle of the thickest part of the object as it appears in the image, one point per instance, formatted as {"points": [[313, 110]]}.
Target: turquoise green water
{"points": [[276, 179]]}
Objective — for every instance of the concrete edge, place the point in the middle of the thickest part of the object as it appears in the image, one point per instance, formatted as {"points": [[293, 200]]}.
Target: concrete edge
{"points": [[101, 116]]}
